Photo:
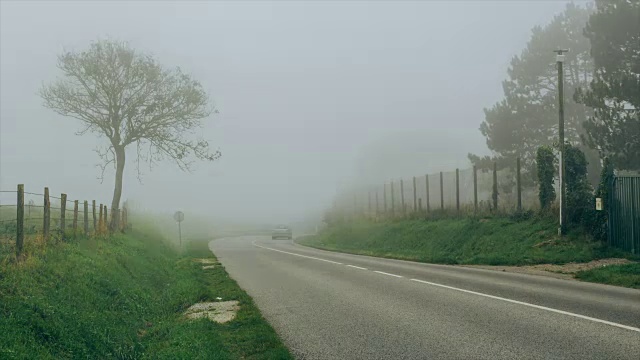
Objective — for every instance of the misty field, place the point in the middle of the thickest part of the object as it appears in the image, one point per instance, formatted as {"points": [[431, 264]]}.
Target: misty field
{"points": [[123, 297]]}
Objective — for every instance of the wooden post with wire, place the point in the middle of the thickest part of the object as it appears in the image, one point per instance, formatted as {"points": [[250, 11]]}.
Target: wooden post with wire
{"points": [[46, 222], [63, 213], [426, 179], [75, 217], [519, 184], [93, 206], [86, 218], [441, 191], [475, 190], [393, 203], [415, 198], [458, 191], [404, 208], [100, 220], [105, 222], [494, 195], [20, 221]]}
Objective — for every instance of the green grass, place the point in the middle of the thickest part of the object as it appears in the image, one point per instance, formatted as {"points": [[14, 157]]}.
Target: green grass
{"points": [[627, 275], [122, 298], [491, 241]]}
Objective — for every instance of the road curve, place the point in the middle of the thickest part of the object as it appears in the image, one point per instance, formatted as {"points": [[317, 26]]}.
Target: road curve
{"points": [[329, 305]]}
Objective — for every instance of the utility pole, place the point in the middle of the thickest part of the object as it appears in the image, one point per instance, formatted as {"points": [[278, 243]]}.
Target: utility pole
{"points": [[563, 204]]}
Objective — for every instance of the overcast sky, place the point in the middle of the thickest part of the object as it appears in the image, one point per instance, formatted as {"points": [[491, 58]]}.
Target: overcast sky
{"points": [[311, 94]]}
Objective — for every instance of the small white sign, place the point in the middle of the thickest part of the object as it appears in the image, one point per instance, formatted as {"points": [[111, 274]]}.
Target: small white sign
{"points": [[599, 204]]}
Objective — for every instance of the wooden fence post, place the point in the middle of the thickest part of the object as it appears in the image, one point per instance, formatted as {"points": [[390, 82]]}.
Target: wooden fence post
{"points": [[458, 191], [426, 178], [415, 201], [20, 221], [86, 218], [63, 212], [75, 217], [441, 192], [404, 208], [369, 204], [494, 195], [123, 219], [384, 197], [46, 222], [100, 220], [377, 204], [519, 184], [475, 189], [93, 206], [106, 220], [393, 202]]}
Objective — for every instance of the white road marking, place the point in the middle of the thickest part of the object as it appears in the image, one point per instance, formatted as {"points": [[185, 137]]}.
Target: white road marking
{"points": [[384, 273], [532, 305], [621, 326], [357, 267], [290, 253]]}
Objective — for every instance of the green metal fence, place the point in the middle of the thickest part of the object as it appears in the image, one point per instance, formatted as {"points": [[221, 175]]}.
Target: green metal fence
{"points": [[624, 212]]}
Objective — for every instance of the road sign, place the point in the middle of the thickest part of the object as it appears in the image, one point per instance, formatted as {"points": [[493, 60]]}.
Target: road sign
{"points": [[599, 204]]}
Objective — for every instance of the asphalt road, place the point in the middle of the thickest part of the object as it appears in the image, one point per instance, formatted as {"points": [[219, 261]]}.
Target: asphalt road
{"points": [[329, 305]]}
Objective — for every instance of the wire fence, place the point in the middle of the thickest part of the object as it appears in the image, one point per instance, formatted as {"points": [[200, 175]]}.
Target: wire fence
{"points": [[461, 192], [31, 219]]}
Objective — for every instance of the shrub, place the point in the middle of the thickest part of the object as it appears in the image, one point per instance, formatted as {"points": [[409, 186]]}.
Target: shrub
{"points": [[546, 170]]}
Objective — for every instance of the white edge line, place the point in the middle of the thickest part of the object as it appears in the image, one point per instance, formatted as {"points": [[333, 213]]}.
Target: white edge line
{"points": [[384, 273], [473, 292], [357, 267], [290, 253], [532, 305]]}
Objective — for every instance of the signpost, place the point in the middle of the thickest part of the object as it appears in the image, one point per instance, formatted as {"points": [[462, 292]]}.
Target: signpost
{"points": [[179, 217]]}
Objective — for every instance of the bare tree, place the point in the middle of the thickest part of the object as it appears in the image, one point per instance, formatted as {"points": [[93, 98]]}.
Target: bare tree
{"points": [[129, 98]]}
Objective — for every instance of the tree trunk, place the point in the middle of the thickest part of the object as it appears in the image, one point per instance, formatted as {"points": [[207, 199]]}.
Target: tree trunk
{"points": [[117, 191]]}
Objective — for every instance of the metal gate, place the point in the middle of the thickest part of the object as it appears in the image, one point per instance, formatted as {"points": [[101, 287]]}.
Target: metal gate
{"points": [[624, 212]]}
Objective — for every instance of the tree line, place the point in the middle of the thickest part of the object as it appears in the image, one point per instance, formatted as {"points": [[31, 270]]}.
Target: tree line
{"points": [[602, 87]]}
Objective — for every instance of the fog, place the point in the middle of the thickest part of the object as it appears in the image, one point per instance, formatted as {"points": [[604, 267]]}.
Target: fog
{"points": [[311, 96]]}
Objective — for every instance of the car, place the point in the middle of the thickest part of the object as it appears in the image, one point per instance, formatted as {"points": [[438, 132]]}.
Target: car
{"points": [[281, 231]]}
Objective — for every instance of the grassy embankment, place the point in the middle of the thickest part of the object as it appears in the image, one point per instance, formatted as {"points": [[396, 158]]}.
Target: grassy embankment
{"points": [[123, 298], [491, 241]]}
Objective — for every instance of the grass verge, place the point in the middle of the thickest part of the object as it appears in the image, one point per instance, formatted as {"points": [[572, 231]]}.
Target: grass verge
{"points": [[627, 275], [123, 298], [492, 241]]}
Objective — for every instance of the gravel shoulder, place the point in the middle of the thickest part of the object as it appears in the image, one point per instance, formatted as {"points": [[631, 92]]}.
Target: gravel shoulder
{"points": [[565, 271]]}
